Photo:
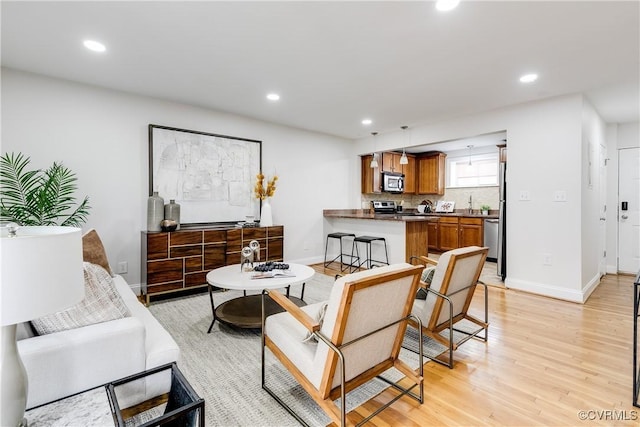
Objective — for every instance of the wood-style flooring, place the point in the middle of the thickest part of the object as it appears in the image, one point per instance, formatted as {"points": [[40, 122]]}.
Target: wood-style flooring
{"points": [[546, 360]]}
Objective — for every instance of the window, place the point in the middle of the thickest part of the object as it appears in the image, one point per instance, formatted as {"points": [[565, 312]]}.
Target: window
{"points": [[475, 170]]}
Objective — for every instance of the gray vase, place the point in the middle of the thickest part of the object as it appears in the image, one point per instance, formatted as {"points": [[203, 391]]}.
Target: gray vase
{"points": [[155, 212], [172, 211]]}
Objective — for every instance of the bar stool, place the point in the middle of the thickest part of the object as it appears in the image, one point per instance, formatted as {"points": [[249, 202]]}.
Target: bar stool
{"points": [[342, 254], [367, 240]]}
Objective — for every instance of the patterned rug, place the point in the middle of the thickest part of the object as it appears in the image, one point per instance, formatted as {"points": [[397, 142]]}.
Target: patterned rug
{"points": [[224, 365]]}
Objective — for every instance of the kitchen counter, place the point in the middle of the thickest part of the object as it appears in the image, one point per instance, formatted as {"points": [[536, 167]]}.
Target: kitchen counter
{"points": [[409, 215]]}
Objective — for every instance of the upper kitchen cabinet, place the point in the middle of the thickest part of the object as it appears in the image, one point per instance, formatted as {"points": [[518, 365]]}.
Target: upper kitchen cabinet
{"points": [[391, 163], [502, 149], [370, 176], [430, 171]]}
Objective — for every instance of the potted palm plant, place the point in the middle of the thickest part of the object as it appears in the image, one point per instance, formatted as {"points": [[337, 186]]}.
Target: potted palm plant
{"points": [[39, 197]]}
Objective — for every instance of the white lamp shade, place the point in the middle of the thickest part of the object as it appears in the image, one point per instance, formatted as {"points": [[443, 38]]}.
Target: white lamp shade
{"points": [[41, 272]]}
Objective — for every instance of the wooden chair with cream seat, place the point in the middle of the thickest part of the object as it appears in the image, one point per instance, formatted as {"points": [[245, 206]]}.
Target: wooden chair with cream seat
{"points": [[448, 297], [358, 338]]}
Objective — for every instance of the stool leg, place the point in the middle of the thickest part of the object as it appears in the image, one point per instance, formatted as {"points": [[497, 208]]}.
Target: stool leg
{"points": [[386, 253], [326, 247]]}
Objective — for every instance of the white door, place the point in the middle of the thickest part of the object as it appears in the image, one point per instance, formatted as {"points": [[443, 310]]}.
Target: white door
{"points": [[629, 219]]}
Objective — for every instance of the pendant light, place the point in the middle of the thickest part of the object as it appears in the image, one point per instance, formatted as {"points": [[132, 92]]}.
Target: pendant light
{"points": [[469, 147], [374, 159], [403, 159]]}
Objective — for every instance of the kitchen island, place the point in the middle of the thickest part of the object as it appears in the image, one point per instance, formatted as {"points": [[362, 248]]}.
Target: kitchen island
{"points": [[407, 233]]}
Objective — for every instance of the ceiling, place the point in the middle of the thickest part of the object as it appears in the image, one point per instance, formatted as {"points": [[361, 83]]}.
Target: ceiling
{"points": [[335, 63]]}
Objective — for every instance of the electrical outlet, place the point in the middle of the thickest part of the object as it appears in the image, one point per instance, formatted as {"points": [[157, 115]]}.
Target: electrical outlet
{"points": [[546, 259], [560, 196], [524, 195], [123, 267]]}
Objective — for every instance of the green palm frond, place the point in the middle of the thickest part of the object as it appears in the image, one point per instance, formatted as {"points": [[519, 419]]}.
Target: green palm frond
{"points": [[39, 197]]}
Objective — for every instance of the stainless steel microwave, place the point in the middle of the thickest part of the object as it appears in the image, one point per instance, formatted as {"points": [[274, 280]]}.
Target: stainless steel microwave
{"points": [[392, 182]]}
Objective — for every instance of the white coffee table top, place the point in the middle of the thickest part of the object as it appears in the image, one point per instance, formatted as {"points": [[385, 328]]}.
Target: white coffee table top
{"points": [[230, 277]]}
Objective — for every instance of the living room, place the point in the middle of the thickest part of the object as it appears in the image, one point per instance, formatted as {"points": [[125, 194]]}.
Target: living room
{"points": [[102, 134]]}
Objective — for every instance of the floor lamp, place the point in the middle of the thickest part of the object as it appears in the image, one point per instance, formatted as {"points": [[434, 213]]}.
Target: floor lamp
{"points": [[41, 274]]}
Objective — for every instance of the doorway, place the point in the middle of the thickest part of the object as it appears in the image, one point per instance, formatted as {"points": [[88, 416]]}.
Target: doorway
{"points": [[629, 210]]}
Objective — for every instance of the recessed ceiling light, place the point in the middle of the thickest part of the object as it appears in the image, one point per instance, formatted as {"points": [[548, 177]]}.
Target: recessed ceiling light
{"points": [[94, 46], [529, 78], [273, 97], [446, 5], [367, 122]]}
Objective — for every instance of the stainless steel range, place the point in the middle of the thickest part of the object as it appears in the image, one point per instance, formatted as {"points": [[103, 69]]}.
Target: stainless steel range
{"points": [[384, 206]]}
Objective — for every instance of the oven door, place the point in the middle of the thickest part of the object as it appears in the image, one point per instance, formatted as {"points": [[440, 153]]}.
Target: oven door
{"points": [[392, 182]]}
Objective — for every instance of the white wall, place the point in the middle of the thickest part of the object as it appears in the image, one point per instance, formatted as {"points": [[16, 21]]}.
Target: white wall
{"points": [[102, 136], [619, 136], [594, 148], [544, 141]]}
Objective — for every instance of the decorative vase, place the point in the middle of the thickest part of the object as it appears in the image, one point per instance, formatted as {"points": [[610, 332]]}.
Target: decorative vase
{"points": [[265, 214], [172, 212], [155, 212]]}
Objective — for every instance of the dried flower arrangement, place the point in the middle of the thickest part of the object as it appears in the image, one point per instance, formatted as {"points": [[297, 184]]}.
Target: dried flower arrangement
{"points": [[261, 192]]}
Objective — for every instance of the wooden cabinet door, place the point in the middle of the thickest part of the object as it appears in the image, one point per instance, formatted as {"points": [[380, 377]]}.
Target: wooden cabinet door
{"points": [[409, 171], [432, 232], [431, 174], [448, 234], [471, 232], [391, 162], [370, 176]]}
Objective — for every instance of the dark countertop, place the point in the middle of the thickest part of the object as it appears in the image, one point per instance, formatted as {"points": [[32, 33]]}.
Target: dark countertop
{"points": [[408, 215]]}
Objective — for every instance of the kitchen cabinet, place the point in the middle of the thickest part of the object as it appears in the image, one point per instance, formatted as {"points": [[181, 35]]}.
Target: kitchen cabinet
{"points": [[430, 173], [409, 171], [448, 233], [432, 231], [389, 162], [471, 232], [502, 150], [370, 176]]}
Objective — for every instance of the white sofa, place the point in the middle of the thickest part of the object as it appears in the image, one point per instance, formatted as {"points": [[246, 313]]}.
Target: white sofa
{"points": [[67, 362]]}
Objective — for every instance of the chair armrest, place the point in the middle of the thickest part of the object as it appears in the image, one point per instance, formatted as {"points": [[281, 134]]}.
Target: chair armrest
{"points": [[67, 362], [423, 259], [307, 321]]}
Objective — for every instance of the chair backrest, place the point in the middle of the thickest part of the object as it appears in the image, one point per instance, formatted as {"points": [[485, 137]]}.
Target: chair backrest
{"points": [[359, 304], [456, 275]]}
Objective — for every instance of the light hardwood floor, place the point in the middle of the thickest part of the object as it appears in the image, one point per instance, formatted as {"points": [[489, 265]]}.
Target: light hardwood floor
{"points": [[545, 361]]}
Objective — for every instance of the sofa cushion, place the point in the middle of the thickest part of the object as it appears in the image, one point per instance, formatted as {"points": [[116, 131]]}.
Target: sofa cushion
{"points": [[101, 303], [93, 250]]}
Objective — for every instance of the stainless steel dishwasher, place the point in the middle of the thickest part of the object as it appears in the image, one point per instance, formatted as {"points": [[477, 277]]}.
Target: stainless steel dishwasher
{"points": [[491, 238]]}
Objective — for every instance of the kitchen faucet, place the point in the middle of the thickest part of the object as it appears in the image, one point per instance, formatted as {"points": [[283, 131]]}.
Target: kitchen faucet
{"points": [[470, 204]]}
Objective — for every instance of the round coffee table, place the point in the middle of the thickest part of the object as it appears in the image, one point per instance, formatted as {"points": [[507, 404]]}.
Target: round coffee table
{"points": [[246, 311]]}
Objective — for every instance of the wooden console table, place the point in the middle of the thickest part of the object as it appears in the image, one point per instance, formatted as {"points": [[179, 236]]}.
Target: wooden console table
{"points": [[179, 260]]}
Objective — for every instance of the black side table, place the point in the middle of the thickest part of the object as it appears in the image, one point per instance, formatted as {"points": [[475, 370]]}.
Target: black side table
{"points": [[182, 406]]}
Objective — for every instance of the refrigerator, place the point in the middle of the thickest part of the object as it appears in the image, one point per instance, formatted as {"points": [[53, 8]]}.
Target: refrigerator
{"points": [[502, 223]]}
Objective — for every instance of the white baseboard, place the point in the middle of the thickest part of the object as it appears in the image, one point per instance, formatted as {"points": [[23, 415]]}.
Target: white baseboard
{"points": [[590, 287], [546, 290], [307, 261], [136, 288]]}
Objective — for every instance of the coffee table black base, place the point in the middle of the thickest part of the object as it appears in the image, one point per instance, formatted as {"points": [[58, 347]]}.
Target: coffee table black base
{"points": [[246, 312]]}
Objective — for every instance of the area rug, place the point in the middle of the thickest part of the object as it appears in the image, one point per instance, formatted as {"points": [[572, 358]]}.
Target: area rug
{"points": [[224, 366]]}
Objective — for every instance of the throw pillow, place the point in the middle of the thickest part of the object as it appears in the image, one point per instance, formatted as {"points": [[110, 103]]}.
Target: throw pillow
{"points": [[93, 250], [319, 318], [427, 277], [101, 303]]}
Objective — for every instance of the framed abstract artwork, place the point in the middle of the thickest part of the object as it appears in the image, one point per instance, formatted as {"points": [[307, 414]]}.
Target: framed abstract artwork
{"points": [[211, 176]]}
